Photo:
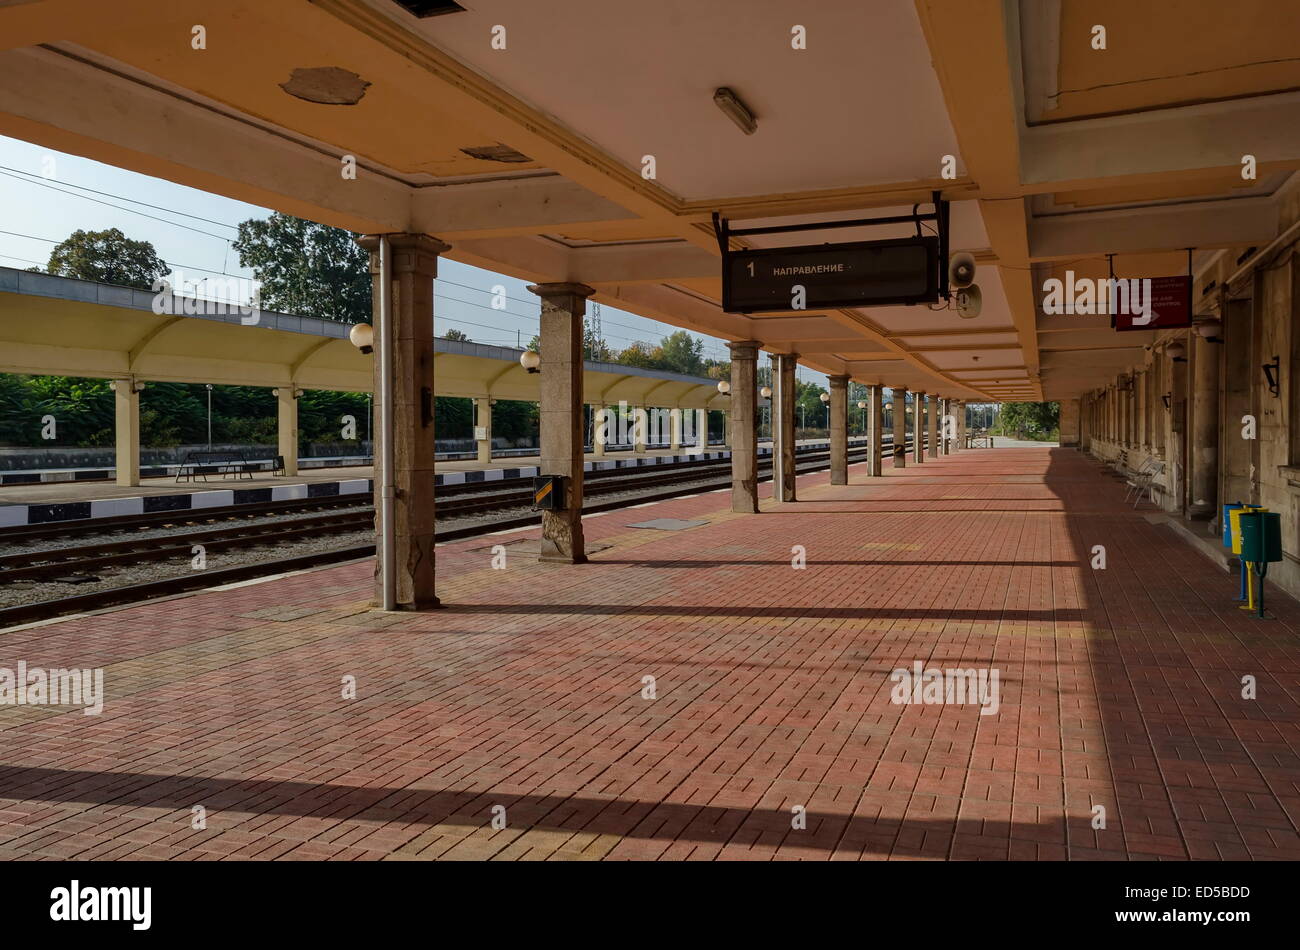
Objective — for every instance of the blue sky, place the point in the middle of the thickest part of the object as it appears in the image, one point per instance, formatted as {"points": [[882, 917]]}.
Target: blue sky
{"points": [[46, 195]]}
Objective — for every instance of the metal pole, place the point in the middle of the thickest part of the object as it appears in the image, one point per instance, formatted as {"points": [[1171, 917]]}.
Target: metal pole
{"points": [[387, 543], [209, 415]]}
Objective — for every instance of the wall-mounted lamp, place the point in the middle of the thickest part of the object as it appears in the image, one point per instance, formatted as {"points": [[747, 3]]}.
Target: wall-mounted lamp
{"points": [[362, 336], [766, 392], [724, 387], [297, 393], [1177, 352], [1209, 331], [862, 405], [530, 360], [825, 397], [135, 387], [1272, 369]]}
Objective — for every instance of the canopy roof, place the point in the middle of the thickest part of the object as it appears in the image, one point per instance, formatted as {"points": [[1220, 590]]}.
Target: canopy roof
{"points": [[58, 326]]}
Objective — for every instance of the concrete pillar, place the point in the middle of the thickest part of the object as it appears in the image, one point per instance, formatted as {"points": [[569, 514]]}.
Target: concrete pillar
{"points": [[875, 430], [126, 458], [560, 411], [674, 430], [931, 424], [414, 267], [1140, 435], [600, 433], [743, 429], [900, 426], [702, 429], [640, 428], [1238, 374], [286, 404], [959, 416], [918, 428], [839, 429], [941, 412], [483, 428], [1205, 429], [1071, 420], [1112, 413], [1176, 475], [783, 456]]}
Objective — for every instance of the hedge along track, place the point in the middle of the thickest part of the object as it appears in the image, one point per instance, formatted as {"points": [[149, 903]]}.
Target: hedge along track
{"points": [[179, 546]]}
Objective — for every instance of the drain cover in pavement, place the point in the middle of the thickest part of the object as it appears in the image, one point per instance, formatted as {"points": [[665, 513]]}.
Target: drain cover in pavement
{"points": [[667, 524]]}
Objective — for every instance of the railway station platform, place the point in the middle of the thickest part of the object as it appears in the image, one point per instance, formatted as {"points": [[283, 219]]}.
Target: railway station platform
{"points": [[70, 500], [693, 692]]}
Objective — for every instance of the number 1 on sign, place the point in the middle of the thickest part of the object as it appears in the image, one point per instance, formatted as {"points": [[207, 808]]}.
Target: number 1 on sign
{"points": [[750, 265]]}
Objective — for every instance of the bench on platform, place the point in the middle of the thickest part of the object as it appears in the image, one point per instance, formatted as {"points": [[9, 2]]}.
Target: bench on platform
{"points": [[226, 464]]}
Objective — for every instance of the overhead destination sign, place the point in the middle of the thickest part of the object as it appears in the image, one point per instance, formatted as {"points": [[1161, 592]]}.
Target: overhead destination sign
{"points": [[820, 276], [1154, 303]]}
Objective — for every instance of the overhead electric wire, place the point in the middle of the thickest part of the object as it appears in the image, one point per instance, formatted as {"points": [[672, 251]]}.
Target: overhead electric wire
{"points": [[175, 224], [32, 179]]}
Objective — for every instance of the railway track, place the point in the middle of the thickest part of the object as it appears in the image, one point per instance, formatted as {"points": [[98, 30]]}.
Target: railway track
{"points": [[339, 515]]}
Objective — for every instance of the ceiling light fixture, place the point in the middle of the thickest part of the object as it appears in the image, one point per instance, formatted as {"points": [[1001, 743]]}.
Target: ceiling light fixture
{"points": [[735, 110], [427, 8], [497, 153]]}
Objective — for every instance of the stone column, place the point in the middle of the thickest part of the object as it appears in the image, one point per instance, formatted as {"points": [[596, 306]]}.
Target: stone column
{"points": [[560, 412], [918, 427], [126, 457], [702, 429], [600, 434], [1070, 423], [674, 430], [1205, 430], [286, 432], [875, 429], [839, 429], [742, 429], [483, 428], [959, 415], [640, 429], [783, 457], [899, 398], [414, 267], [931, 424]]}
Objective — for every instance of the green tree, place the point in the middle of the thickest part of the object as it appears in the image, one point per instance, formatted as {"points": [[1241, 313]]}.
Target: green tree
{"points": [[681, 352], [307, 269], [808, 398], [458, 335], [108, 257], [1030, 420], [642, 356]]}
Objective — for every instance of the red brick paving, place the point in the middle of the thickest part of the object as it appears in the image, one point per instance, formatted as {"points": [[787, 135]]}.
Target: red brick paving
{"points": [[1119, 688]]}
